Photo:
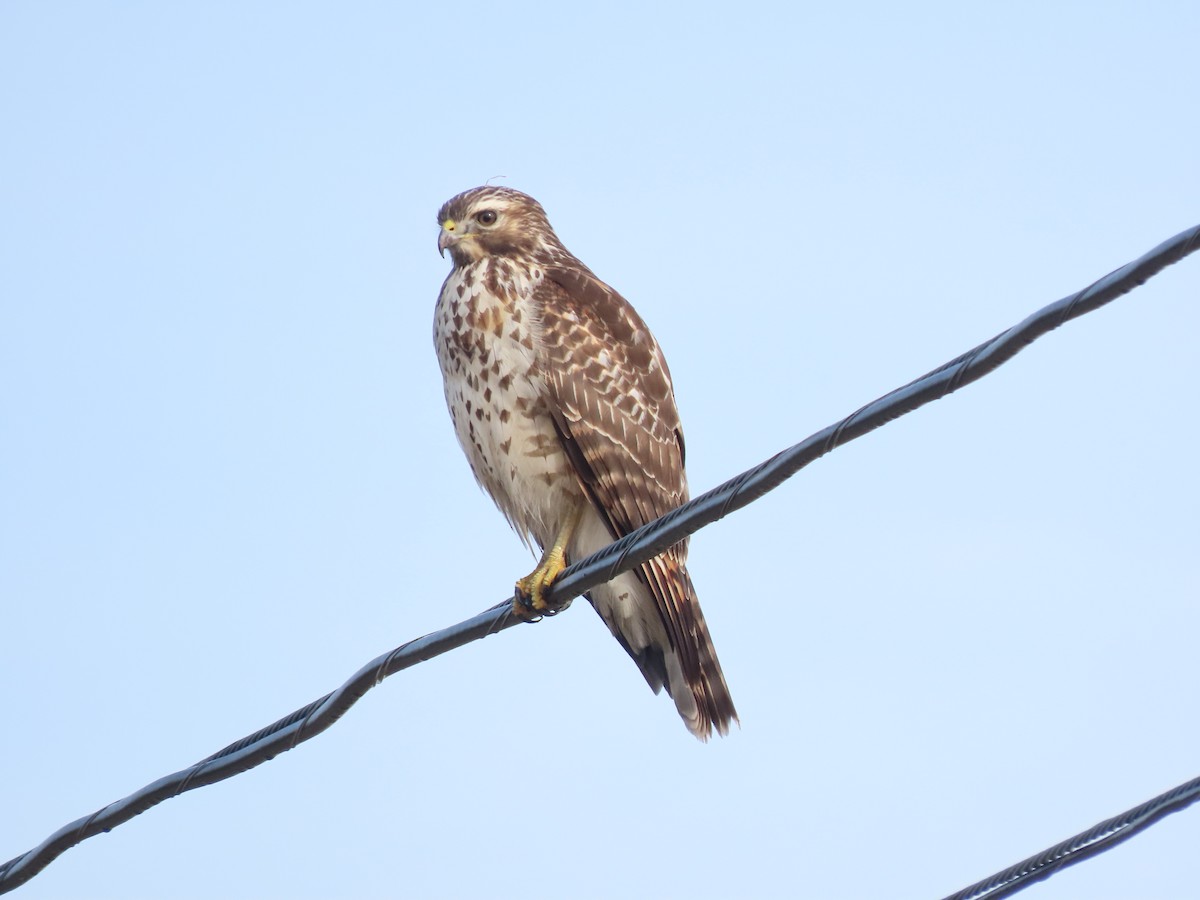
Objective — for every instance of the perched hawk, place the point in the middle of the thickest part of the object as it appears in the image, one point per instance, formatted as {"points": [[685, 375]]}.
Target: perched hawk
{"points": [[562, 401]]}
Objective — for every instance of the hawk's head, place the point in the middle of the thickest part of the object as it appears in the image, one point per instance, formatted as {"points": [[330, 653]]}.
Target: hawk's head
{"points": [[495, 221]]}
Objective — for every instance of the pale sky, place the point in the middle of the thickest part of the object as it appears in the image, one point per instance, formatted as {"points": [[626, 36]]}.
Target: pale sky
{"points": [[228, 478]]}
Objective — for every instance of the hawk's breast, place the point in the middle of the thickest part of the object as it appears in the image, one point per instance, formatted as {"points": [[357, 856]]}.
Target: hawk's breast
{"points": [[486, 333]]}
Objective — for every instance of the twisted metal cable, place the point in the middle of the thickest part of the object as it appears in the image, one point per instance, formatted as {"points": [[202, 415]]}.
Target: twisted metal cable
{"points": [[1083, 846], [650, 540], [631, 550]]}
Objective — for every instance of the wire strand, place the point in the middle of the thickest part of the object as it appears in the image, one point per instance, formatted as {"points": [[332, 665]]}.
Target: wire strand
{"points": [[1083, 846], [634, 549]]}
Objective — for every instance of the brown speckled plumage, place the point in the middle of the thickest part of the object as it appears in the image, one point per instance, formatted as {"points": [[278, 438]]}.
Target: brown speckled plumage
{"points": [[560, 395]]}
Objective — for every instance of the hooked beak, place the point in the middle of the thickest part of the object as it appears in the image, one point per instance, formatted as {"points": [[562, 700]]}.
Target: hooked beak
{"points": [[447, 236]]}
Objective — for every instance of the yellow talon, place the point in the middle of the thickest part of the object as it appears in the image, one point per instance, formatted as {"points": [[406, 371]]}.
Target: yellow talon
{"points": [[529, 599]]}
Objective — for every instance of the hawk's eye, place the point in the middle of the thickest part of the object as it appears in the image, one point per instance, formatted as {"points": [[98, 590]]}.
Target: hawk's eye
{"points": [[487, 217]]}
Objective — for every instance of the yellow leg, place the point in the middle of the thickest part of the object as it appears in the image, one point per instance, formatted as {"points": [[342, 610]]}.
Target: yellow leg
{"points": [[529, 600]]}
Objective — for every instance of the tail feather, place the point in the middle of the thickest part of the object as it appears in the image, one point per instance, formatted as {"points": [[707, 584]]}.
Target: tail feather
{"points": [[695, 680], [654, 614]]}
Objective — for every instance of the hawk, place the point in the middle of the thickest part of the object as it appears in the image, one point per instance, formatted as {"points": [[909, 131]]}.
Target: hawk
{"points": [[562, 402]]}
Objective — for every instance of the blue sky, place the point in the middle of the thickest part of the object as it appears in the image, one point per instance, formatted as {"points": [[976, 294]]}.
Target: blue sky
{"points": [[228, 478]]}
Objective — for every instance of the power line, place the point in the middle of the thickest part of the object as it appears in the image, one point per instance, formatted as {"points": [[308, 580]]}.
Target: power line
{"points": [[635, 548], [650, 540], [1083, 846]]}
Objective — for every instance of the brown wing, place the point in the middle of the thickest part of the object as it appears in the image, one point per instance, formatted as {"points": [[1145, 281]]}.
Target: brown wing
{"points": [[615, 407], [612, 387]]}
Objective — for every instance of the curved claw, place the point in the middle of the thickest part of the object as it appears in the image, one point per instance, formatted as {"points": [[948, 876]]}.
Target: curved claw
{"points": [[529, 597]]}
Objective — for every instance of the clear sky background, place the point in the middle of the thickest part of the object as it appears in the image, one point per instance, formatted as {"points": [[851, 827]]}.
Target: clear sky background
{"points": [[228, 476]]}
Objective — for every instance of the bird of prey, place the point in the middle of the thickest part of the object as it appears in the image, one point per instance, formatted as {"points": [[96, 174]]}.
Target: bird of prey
{"points": [[562, 402]]}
